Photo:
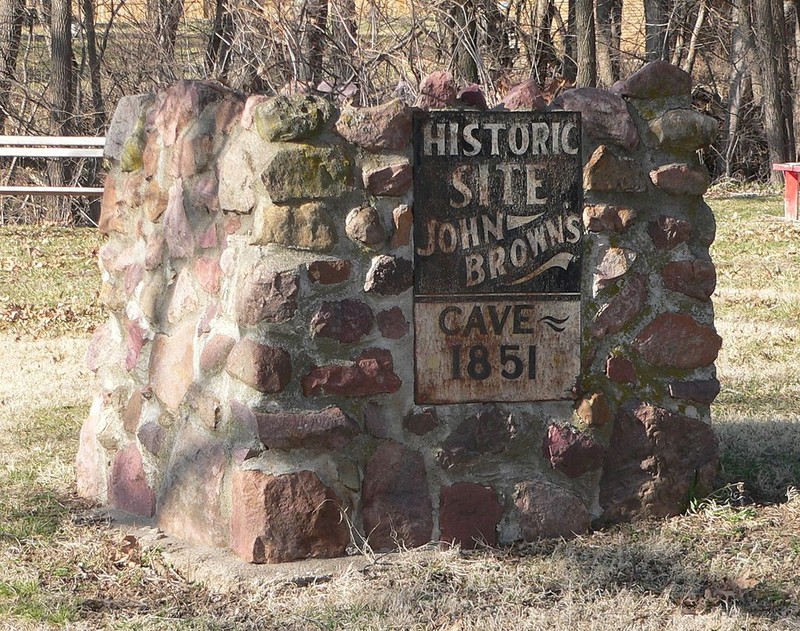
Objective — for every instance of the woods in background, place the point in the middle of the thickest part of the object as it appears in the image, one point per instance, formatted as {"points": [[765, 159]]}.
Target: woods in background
{"points": [[64, 64]]}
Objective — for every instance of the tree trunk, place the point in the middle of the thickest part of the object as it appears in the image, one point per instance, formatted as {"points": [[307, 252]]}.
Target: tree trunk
{"points": [[344, 36], [768, 66], [607, 52], [464, 43], [544, 56], [586, 57], [655, 41], [741, 57], [168, 14], [784, 76], [218, 50], [688, 64], [99, 116], [569, 66], [314, 20], [62, 99], [12, 15]]}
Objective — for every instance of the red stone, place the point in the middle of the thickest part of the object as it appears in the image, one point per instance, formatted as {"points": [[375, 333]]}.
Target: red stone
{"points": [[608, 172], [620, 369], [190, 155], [524, 96], [606, 218], [403, 220], [181, 103], [282, 518], [177, 231], [623, 307], [422, 422], [329, 429], [111, 219], [678, 341], [604, 116], [546, 510], [681, 179], [155, 201], [437, 91], [154, 250], [396, 505], [329, 272], [469, 514], [372, 372], [215, 353], [127, 487], [171, 371], [191, 506], [132, 412], [363, 225], [346, 321], [488, 432], [392, 181], [203, 193], [667, 232], [266, 368], [695, 278], [267, 296], [472, 96], [208, 239], [392, 323], [571, 452], [228, 113], [389, 276], [657, 79], [654, 460], [385, 126]]}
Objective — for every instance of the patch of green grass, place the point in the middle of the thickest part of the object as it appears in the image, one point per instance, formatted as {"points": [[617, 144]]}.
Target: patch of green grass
{"points": [[49, 280], [25, 599]]}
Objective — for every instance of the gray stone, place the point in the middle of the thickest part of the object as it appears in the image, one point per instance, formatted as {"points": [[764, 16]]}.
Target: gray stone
{"points": [[305, 227], [294, 117], [604, 116], [545, 510], [363, 225], [305, 172], [684, 130]]}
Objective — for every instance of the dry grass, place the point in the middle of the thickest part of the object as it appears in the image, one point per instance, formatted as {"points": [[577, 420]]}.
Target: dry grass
{"points": [[727, 564]]}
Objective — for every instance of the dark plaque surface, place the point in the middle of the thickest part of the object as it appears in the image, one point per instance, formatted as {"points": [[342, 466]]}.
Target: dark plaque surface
{"points": [[497, 238]]}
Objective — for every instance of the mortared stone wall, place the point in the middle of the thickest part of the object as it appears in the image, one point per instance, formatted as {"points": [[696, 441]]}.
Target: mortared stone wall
{"points": [[255, 374]]}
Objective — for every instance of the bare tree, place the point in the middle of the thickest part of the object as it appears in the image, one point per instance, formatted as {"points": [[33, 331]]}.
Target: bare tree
{"points": [[608, 14], [584, 30], [12, 15], [656, 20]]}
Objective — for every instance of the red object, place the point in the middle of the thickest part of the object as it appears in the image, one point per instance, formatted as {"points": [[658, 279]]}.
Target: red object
{"points": [[791, 188]]}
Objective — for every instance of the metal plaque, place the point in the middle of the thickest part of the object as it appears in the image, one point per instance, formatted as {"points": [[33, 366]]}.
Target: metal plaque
{"points": [[497, 240]]}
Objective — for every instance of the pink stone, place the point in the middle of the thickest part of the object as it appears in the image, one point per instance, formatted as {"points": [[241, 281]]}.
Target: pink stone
{"points": [[208, 239], [171, 371], [282, 518], [104, 348], [204, 326], [421, 423], [151, 435], [177, 231], [215, 353], [204, 193], [403, 219], [372, 372], [154, 250], [329, 272], [133, 276], [232, 224], [437, 91], [90, 466], [190, 155], [614, 263], [179, 104], [363, 225], [392, 181], [250, 106], [329, 429], [155, 201], [267, 296], [695, 278], [546, 510], [135, 339], [396, 505], [675, 340], [133, 412], [191, 506], [209, 274], [524, 96], [386, 126], [604, 116], [392, 323], [266, 368], [622, 308], [469, 514], [571, 452], [229, 113], [127, 487], [667, 232], [184, 297], [658, 79], [346, 321], [111, 219], [681, 179], [620, 369]]}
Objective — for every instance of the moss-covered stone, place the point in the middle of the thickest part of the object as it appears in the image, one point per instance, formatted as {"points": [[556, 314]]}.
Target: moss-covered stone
{"points": [[292, 117], [306, 227], [306, 172]]}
